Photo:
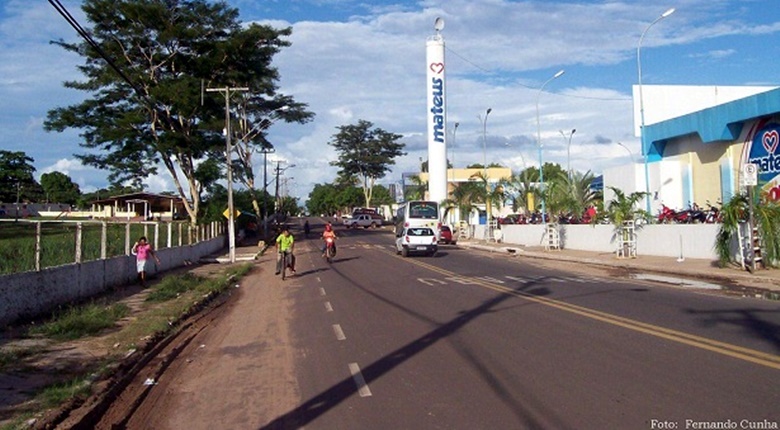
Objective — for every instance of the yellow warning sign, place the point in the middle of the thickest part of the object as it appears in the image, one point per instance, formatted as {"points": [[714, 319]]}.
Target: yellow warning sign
{"points": [[227, 213]]}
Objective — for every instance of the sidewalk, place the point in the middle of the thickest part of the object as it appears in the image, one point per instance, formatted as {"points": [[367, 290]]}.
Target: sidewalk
{"points": [[764, 282]]}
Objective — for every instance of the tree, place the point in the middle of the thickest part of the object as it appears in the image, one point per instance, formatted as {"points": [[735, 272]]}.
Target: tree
{"points": [[518, 188], [59, 188], [365, 153], [415, 191], [382, 196], [251, 135], [17, 183], [579, 194], [322, 200], [766, 215], [465, 196], [624, 207], [145, 74]]}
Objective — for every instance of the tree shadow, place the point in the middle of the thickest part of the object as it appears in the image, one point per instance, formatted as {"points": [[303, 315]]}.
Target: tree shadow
{"points": [[748, 320], [330, 398]]}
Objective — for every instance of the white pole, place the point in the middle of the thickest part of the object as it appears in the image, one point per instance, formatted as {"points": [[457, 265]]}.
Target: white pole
{"points": [[436, 116]]}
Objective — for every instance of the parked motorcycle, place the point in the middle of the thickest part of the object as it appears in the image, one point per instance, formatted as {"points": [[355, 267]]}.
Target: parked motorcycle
{"points": [[696, 215], [712, 215], [666, 215]]}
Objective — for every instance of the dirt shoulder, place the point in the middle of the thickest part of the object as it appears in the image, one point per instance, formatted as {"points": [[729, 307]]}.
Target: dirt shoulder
{"points": [[32, 364]]}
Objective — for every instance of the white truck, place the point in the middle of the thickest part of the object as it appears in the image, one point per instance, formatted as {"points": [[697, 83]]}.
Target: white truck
{"points": [[363, 220]]}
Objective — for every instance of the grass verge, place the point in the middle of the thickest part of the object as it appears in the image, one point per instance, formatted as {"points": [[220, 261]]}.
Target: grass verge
{"points": [[175, 297], [80, 321]]}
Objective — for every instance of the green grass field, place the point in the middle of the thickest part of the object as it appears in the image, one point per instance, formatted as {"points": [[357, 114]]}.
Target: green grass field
{"points": [[58, 242]]}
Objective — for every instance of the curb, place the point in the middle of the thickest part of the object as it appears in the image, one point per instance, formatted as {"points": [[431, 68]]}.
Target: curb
{"points": [[752, 280]]}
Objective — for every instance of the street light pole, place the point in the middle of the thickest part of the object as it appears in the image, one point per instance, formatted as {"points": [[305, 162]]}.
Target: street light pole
{"points": [[645, 148], [229, 159], [539, 139], [265, 152], [630, 154], [568, 150], [454, 131], [484, 166]]}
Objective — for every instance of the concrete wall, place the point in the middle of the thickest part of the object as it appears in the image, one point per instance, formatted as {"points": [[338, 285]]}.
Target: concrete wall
{"points": [[30, 294], [692, 240]]}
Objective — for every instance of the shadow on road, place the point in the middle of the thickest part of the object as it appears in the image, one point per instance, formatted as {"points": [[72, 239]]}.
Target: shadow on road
{"points": [[330, 398]]}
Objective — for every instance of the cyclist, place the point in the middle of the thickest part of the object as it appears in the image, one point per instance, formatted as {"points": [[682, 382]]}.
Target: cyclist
{"points": [[328, 233], [285, 244]]}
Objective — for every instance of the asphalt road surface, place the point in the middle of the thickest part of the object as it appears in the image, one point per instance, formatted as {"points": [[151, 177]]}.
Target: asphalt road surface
{"points": [[468, 340]]}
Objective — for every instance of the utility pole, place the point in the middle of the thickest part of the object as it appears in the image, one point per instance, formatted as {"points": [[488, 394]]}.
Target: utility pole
{"points": [[265, 152], [229, 159], [276, 192]]}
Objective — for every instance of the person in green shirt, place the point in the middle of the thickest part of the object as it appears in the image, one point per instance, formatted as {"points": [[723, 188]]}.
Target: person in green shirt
{"points": [[285, 243]]}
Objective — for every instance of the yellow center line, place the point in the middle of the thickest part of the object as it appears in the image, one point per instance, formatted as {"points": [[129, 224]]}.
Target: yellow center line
{"points": [[731, 350]]}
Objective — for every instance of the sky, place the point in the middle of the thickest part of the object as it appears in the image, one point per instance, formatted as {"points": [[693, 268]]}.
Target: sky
{"points": [[359, 59]]}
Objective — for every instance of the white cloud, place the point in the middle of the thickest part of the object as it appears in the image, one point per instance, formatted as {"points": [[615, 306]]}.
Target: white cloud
{"points": [[372, 67]]}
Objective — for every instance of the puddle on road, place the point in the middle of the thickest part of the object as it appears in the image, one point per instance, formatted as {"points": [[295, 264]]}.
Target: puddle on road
{"points": [[732, 290]]}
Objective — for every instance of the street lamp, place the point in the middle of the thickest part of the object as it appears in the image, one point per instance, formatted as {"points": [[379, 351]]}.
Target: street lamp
{"points": [[630, 154], [484, 164], [246, 154], [265, 151], [277, 196], [568, 150], [645, 148], [539, 138], [229, 159], [452, 170]]}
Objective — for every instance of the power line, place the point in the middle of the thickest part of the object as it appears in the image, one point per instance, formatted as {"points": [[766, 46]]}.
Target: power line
{"points": [[88, 38], [490, 72]]}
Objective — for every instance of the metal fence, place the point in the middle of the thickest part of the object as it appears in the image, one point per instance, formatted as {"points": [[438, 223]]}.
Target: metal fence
{"points": [[34, 245]]}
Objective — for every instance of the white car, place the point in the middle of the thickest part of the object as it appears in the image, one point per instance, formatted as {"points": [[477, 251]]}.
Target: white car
{"points": [[363, 220], [416, 240]]}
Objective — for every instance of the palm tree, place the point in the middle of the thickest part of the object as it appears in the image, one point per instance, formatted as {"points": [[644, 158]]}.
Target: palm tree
{"points": [[621, 209], [465, 196], [417, 190], [492, 195], [556, 192], [518, 188], [580, 193], [732, 213], [624, 207], [766, 216]]}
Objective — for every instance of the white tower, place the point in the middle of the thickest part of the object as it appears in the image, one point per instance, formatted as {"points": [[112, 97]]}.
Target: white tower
{"points": [[436, 91]]}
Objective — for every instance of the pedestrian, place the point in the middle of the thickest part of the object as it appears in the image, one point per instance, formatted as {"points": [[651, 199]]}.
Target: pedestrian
{"points": [[285, 243], [142, 250]]}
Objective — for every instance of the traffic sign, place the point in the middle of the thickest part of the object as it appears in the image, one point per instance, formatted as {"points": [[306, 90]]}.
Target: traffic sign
{"points": [[227, 213], [750, 174]]}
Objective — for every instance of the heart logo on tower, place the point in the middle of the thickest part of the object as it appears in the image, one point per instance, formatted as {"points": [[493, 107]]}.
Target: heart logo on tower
{"points": [[770, 141], [437, 67]]}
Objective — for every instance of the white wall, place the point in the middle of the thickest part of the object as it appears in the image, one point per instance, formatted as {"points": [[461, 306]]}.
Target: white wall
{"points": [[29, 294], [692, 240], [666, 184]]}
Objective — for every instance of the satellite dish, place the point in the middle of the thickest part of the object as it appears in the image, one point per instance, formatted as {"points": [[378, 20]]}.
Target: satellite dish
{"points": [[439, 24]]}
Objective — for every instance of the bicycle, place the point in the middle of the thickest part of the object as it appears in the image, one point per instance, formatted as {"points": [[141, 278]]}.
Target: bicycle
{"points": [[285, 259]]}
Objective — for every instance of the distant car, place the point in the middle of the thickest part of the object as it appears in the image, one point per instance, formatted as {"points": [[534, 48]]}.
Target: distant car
{"points": [[446, 236], [363, 220], [416, 240]]}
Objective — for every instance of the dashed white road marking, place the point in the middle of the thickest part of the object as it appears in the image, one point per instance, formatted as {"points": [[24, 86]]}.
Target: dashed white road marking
{"points": [[328, 307], [357, 376], [339, 332], [431, 281], [322, 291]]}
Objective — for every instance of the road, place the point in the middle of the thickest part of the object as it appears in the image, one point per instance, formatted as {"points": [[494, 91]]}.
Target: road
{"points": [[469, 340]]}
